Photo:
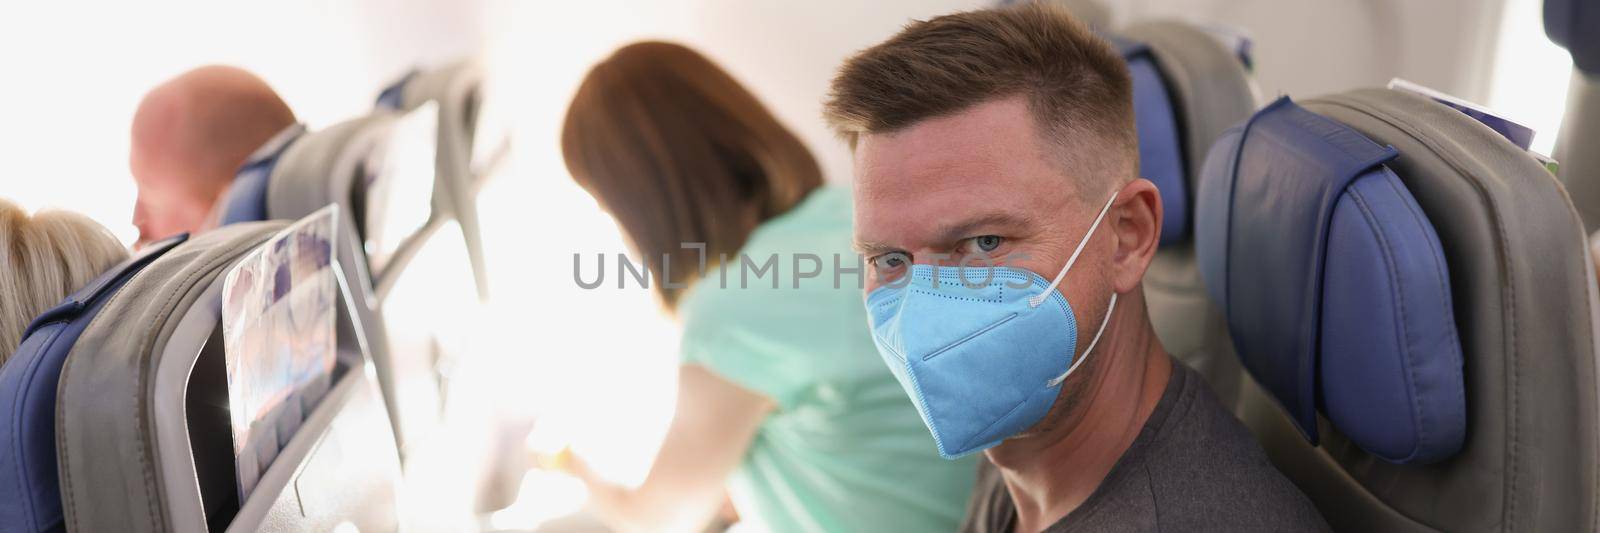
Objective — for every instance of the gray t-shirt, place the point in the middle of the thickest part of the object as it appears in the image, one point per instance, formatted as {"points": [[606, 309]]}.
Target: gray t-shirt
{"points": [[1193, 467]]}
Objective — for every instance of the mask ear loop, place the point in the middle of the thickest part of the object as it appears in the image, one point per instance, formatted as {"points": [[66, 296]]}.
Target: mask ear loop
{"points": [[1039, 298], [1092, 343]]}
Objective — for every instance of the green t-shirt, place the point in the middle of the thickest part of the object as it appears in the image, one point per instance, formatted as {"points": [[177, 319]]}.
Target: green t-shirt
{"points": [[845, 449]]}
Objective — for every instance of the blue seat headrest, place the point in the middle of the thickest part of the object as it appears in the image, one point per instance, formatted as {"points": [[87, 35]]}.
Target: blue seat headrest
{"points": [[30, 491], [1334, 283], [1160, 148], [247, 197], [393, 96], [1245, 50], [1571, 24]]}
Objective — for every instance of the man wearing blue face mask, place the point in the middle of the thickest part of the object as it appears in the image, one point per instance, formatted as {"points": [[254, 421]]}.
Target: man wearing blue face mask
{"points": [[998, 205]]}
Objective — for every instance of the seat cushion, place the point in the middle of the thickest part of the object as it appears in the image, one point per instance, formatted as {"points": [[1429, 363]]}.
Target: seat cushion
{"points": [[1334, 284]]}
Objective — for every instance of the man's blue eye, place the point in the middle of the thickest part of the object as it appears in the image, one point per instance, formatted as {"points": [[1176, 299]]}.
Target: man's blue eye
{"points": [[890, 260], [987, 243]]}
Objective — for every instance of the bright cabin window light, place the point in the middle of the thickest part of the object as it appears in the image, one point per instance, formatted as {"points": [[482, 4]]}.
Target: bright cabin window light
{"points": [[1530, 75]]}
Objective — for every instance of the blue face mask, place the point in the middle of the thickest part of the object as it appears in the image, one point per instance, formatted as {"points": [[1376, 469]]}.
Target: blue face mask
{"points": [[981, 351]]}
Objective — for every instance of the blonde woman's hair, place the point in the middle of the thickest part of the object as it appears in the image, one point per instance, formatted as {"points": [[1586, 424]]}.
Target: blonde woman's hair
{"points": [[43, 258]]}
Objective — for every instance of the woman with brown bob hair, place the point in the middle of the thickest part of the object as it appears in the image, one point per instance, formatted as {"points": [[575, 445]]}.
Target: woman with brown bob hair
{"points": [[782, 399]]}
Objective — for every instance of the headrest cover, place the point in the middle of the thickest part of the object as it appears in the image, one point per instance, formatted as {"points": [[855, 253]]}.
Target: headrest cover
{"points": [[247, 196], [1334, 284], [1571, 24], [393, 96], [109, 280], [1160, 149]]}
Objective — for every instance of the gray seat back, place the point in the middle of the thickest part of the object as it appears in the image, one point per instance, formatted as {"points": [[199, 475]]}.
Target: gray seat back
{"points": [[412, 267], [329, 166], [143, 424], [1524, 302], [463, 165], [343, 165]]}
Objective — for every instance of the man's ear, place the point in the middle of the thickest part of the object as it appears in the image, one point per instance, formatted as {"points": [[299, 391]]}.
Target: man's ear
{"points": [[1135, 219]]}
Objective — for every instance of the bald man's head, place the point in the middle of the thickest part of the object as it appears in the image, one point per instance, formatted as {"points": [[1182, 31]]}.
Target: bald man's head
{"points": [[190, 135]]}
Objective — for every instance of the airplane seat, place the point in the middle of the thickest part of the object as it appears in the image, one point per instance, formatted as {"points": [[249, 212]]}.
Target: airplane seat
{"points": [[1413, 301], [292, 177], [1570, 24], [471, 149], [1188, 88], [30, 490], [411, 265], [458, 90], [142, 414], [353, 164]]}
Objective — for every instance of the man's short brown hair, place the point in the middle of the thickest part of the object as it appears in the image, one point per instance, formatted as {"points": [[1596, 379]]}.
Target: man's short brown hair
{"points": [[1077, 86]]}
